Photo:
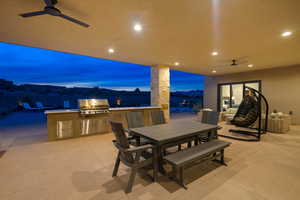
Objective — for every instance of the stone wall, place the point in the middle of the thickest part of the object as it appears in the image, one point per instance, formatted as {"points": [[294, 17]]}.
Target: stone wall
{"points": [[160, 88]]}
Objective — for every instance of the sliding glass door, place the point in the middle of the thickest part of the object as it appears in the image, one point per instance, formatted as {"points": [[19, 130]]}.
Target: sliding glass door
{"points": [[225, 96], [237, 95], [230, 95]]}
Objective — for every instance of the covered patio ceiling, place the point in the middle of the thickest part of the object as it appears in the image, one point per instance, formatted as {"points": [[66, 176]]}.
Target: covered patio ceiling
{"points": [[186, 31]]}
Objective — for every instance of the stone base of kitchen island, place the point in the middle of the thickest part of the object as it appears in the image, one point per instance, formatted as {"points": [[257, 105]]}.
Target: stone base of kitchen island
{"points": [[64, 124]]}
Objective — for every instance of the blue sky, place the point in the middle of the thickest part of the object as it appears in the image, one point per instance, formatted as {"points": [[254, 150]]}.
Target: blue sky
{"points": [[38, 66]]}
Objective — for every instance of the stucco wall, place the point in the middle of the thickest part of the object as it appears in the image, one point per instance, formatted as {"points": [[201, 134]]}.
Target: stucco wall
{"points": [[281, 86]]}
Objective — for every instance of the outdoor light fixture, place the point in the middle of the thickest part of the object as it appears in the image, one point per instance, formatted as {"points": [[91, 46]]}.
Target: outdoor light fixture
{"points": [[214, 53], [176, 63], [137, 27], [214, 71], [110, 50], [250, 65], [286, 34]]}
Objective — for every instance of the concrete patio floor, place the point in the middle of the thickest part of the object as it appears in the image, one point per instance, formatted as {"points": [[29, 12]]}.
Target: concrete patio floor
{"points": [[32, 168]]}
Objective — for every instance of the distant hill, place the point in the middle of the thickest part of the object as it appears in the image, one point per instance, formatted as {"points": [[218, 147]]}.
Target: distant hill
{"points": [[191, 93], [11, 96], [10, 86]]}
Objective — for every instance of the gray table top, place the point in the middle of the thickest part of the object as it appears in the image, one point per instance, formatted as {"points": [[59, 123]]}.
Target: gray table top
{"points": [[172, 131]]}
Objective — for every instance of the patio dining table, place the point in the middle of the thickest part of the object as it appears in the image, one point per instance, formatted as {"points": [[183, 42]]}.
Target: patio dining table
{"points": [[171, 134]]}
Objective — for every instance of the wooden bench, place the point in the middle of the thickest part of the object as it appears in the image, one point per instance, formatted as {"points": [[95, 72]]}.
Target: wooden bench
{"points": [[207, 151]]}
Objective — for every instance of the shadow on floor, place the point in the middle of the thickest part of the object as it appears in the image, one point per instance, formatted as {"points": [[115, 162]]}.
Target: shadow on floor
{"points": [[192, 173], [85, 181], [2, 153], [101, 180]]}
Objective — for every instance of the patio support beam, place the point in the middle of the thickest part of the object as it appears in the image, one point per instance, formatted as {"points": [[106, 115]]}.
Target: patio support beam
{"points": [[160, 88]]}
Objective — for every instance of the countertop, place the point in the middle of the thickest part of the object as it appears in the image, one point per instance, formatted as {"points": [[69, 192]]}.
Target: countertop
{"points": [[111, 109]]}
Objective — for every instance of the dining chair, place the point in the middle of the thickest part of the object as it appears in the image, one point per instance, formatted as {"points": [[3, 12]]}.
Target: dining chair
{"points": [[135, 119], [157, 117], [209, 117], [133, 157]]}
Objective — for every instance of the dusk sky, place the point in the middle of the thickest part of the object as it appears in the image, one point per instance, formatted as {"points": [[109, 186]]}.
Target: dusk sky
{"points": [[38, 66]]}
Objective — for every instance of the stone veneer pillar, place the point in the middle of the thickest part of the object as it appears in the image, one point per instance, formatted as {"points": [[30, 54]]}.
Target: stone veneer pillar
{"points": [[160, 88]]}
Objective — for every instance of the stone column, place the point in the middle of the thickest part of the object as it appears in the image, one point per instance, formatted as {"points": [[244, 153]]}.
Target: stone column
{"points": [[160, 88]]}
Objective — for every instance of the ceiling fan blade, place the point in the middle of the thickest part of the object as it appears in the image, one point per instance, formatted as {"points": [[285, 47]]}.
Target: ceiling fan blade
{"points": [[243, 58], [220, 66], [243, 62], [49, 3], [32, 14], [74, 20]]}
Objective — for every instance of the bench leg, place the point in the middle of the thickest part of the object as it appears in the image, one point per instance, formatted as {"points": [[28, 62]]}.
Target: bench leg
{"points": [[222, 158], [181, 180], [221, 154], [173, 176]]}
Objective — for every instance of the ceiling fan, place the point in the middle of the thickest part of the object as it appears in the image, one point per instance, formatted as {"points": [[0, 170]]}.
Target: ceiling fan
{"points": [[235, 62], [50, 9]]}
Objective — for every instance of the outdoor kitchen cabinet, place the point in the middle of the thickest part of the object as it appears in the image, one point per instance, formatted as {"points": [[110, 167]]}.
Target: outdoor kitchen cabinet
{"points": [[64, 124]]}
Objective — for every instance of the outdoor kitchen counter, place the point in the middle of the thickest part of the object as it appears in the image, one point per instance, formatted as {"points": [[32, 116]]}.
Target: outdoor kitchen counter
{"points": [[110, 109], [69, 123]]}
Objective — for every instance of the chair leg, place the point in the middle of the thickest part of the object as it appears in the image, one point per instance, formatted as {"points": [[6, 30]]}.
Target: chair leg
{"points": [[116, 167], [131, 180], [179, 147], [164, 152], [196, 141], [155, 164], [199, 140]]}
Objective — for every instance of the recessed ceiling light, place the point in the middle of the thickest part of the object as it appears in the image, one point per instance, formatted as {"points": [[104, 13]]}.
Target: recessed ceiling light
{"points": [[215, 53], [176, 63], [250, 65], [137, 27], [214, 71], [286, 34], [111, 50]]}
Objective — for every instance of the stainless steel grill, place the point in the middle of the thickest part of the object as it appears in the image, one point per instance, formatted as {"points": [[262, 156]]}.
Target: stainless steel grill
{"points": [[93, 106]]}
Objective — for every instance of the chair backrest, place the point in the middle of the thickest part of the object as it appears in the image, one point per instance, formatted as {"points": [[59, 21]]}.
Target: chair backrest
{"points": [[121, 141], [135, 119], [66, 104], [121, 138], [39, 104], [27, 106], [210, 117], [157, 117]]}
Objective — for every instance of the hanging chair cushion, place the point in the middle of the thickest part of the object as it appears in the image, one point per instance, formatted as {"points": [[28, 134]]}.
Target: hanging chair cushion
{"points": [[247, 112]]}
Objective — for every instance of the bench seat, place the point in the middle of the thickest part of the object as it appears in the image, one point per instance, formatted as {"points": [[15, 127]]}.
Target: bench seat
{"points": [[181, 158], [188, 155]]}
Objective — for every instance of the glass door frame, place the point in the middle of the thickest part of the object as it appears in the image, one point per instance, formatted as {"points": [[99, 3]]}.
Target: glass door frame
{"points": [[230, 84]]}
